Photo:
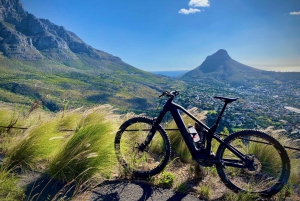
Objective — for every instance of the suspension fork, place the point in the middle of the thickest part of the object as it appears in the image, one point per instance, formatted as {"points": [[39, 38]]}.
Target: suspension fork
{"points": [[153, 130]]}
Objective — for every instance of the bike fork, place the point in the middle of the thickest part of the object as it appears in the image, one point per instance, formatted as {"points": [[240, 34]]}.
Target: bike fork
{"points": [[149, 137]]}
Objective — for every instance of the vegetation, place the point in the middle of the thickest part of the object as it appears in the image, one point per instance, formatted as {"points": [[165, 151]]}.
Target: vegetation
{"points": [[88, 151], [76, 147], [9, 190], [71, 146], [119, 84], [166, 179]]}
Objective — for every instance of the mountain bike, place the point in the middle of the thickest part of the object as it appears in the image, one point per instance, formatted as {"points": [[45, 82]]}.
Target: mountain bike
{"points": [[249, 160]]}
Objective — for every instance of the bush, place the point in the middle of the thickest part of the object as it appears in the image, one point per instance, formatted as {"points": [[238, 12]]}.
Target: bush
{"points": [[166, 179]]}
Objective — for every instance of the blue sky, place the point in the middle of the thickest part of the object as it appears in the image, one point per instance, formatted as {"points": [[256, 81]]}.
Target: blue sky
{"points": [[162, 35]]}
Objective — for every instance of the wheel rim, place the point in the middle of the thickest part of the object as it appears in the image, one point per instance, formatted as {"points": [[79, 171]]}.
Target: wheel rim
{"points": [[132, 157], [268, 166]]}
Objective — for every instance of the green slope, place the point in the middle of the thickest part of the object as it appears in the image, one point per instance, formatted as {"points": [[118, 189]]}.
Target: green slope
{"points": [[118, 84]]}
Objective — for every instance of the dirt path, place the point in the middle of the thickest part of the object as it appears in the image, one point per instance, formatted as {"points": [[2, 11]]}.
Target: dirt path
{"points": [[125, 190], [41, 187]]}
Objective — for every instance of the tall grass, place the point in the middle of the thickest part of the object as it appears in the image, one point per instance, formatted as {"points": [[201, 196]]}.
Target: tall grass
{"points": [[38, 144], [69, 121], [9, 189], [281, 136], [90, 150], [5, 118], [9, 118], [77, 145]]}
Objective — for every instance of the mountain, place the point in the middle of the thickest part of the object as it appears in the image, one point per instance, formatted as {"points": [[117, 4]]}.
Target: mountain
{"points": [[40, 59], [221, 68], [25, 37], [222, 62]]}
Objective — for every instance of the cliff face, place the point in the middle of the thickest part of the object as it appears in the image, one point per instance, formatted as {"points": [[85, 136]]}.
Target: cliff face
{"points": [[11, 10], [25, 37]]}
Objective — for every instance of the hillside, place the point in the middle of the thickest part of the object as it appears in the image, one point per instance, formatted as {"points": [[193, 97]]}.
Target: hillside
{"points": [[39, 58], [222, 69]]}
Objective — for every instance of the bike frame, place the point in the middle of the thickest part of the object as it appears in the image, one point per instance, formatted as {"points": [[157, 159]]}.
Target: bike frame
{"points": [[205, 153]]}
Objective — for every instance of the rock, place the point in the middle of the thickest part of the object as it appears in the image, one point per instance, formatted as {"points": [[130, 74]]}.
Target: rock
{"points": [[25, 37], [15, 45]]}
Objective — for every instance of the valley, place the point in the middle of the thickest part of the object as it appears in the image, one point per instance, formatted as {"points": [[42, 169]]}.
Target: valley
{"points": [[258, 107], [41, 61]]}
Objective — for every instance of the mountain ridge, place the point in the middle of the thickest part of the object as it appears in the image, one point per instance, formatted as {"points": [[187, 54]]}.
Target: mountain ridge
{"points": [[41, 59], [28, 38]]}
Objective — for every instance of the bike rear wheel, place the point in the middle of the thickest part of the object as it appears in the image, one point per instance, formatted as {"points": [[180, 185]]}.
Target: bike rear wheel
{"points": [[144, 162], [271, 168]]}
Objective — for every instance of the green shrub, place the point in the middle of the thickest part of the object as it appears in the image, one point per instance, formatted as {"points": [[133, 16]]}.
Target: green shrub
{"points": [[166, 179]]}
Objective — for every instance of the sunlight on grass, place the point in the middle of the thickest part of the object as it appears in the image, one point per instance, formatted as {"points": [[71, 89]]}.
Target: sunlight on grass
{"points": [[38, 144], [90, 150], [78, 146]]}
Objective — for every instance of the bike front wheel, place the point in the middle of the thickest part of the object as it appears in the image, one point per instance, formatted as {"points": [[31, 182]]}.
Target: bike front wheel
{"points": [[146, 161], [271, 165]]}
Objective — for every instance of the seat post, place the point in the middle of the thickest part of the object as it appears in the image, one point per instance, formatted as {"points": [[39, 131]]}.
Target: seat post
{"points": [[221, 113], [226, 101]]}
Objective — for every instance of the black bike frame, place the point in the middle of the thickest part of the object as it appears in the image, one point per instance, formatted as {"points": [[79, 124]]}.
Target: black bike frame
{"points": [[205, 153]]}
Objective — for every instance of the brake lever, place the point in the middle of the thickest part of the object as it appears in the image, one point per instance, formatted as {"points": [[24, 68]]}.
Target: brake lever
{"points": [[163, 93]]}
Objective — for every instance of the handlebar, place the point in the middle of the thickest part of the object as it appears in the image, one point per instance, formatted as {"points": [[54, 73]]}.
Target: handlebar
{"points": [[169, 93]]}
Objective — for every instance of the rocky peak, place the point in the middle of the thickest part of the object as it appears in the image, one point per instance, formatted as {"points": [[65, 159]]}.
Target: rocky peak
{"points": [[11, 10], [215, 61], [220, 55], [23, 36], [221, 67]]}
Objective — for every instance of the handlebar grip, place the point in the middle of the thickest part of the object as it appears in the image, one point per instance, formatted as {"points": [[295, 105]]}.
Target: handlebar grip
{"points": [[163, 93], [170, 94]]}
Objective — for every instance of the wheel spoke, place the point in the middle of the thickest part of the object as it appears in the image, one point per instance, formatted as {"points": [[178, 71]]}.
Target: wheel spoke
{"points": [[268, 172], [142, 160]]}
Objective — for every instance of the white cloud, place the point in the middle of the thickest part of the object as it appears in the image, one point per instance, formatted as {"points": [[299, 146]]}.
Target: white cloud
{"points": [[189, 11], [295, 13], [194, 3], [199, 3]]}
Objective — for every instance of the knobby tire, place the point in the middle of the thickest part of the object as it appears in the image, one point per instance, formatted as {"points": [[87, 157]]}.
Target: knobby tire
{"points": [[271, 161], [148, 162]]}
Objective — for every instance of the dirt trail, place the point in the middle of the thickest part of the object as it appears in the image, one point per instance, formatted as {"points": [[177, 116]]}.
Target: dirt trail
{"points": [[41, 187]]}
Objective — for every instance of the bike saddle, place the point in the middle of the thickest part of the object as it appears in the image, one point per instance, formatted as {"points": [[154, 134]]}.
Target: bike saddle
{"points": [[225, 99]]}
